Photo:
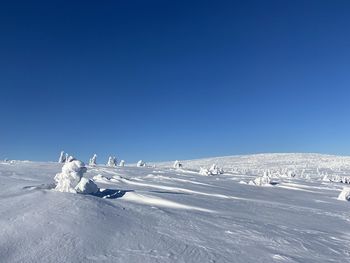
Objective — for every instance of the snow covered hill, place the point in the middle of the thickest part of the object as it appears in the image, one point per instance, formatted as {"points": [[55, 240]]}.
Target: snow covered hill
{"points": [[162, 214]]}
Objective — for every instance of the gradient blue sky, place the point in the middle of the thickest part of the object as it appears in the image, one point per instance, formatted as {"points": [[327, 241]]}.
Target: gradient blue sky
{"points": [[164, 80]]}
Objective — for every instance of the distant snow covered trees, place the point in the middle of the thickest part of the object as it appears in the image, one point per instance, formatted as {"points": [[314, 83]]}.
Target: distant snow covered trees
{"points": [[112, 161], [213, 170], [71, 179], [261, 180], [92, 161], [122, 163]]}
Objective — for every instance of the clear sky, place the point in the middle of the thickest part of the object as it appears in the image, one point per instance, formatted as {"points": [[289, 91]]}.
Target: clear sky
{"points": [[165, 80]]}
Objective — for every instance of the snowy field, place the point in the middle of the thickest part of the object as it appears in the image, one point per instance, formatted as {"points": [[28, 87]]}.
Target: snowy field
{"points": [[162, 214]]}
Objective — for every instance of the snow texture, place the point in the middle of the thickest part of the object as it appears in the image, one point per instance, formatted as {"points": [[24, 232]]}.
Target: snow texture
{"points": [[162, 214], [86, 186]]}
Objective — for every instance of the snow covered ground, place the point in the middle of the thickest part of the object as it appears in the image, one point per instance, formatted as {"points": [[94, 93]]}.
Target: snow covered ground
{"points": [[162, 214]]}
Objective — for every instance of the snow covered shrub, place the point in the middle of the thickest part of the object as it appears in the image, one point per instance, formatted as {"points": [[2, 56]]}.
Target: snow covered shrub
{"points": [[214, 170], [344, 194], [62, 158], [112, 161], [204, 171], [122, 163], [177, 164], [92, 161], [71, 179], [141, 164], [261, 180]]}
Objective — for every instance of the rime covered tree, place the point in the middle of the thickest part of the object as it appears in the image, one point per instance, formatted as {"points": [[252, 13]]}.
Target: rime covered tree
{"points": [[62, 158], [141, 163], [112, 161], [92, 161]]}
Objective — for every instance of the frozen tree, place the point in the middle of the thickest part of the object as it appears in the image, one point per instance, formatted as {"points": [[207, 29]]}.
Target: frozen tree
{"points": [[141, 164], [62, 158], [204, 171], [92, 161], [177, 164], [122, 163], [67, 157], [215, 170], [344, 194], [261, 180], [112, 161], [70, 176], [71, 179]]}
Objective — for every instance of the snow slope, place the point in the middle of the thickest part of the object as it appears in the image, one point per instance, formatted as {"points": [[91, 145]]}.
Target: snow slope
{"points": [[162, 214]]}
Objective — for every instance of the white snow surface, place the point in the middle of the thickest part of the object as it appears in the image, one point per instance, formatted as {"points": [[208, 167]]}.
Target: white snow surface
{"points": [[162, 214]]}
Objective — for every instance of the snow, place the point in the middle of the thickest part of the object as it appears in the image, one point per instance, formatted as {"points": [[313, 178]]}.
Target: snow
{"points": [[141, 163], [69, 178], [112, 161], [86, 186], [264, 180], [93, 161], [162, 214], [344, 194]]}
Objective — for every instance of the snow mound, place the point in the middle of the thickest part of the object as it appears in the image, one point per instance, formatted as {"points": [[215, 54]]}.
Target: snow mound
{"points": [[344, 194], [86, 186]]}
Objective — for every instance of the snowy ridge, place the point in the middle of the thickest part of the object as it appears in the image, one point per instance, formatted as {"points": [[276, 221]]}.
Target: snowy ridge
{"points": [[167, 214]]}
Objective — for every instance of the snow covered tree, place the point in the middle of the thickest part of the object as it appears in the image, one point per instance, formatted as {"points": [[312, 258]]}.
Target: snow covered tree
{"points": [[67, 157], [177, 164], [92, 161], [62, 158], [344, 194], [204, 171], [112, 161], [141, 164], [70, 176], [122, 163], [71, 179], [215, 170]]}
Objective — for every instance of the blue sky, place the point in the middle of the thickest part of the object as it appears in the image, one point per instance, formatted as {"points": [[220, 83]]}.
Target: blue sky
{"points": [[165, 80]]}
